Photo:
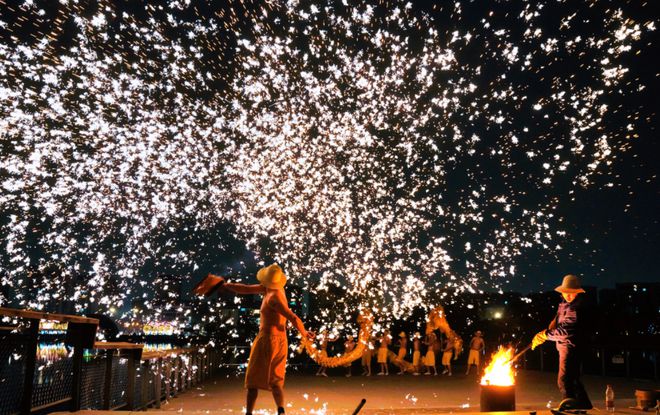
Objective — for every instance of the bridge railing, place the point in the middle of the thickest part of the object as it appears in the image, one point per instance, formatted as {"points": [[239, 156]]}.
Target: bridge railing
{"points": [[123, 376], [76, 372]]}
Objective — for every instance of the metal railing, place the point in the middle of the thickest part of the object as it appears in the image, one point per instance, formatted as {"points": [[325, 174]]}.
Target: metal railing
{"points": [[74, 372]]}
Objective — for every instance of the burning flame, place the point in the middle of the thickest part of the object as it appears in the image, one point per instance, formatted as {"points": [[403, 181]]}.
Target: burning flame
{"points": [[500, 369]]}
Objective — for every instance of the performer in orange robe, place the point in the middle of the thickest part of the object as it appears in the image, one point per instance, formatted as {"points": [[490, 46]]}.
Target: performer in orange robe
{"points": [[385, 341], [267, 363]]}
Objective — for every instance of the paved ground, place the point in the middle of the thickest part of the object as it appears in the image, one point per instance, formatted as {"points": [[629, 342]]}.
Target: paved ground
{"points": [[407, 394]]}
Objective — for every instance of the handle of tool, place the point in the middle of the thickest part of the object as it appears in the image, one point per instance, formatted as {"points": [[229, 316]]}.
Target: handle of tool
{"points": [[359, 407], [520, 353]]}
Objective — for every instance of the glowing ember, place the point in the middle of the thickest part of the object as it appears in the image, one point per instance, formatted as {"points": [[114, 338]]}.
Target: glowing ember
{"points": [[500, 369], [377, 149]]}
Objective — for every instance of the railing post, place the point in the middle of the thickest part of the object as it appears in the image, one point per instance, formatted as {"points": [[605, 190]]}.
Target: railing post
{"points": [[626, 353], [185, 372], [157, 381], [144, 386], [79, 335], [655, 365], [107, 384], [177, 375], [602, 361], [30, 364], [205, 356], [195, 373], [191, 364], [168, 378], [133, 358], [200, 367], [76, 383]]}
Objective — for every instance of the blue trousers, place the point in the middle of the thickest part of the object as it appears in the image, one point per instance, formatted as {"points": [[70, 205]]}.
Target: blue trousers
{"points": [[568, 378]]}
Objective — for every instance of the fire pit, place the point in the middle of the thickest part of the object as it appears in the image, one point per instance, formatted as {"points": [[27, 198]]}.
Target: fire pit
{"points": [[495, 398], [498, 391]]}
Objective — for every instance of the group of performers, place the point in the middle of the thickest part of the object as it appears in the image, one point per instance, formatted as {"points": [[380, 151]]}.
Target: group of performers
{"points": [[267, 362], [421, 363]]}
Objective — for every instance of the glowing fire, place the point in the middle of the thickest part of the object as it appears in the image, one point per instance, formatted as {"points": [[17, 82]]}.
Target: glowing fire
{"points": [[500, 369]]}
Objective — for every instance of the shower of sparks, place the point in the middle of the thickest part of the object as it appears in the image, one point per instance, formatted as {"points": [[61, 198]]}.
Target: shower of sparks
{"points": [[388, 151]]}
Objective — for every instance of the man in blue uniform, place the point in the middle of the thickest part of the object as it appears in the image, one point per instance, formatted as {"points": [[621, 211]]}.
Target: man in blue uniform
{"points": [[569, 331]]}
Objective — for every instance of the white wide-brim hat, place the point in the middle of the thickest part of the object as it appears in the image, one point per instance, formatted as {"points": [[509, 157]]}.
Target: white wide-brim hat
{"points": [[272, 277], [570, 285]]}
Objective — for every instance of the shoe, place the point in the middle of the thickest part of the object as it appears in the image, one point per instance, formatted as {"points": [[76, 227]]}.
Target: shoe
{"points": [[449, 374], [381, 374], [416, 374], [348, 375], [568, 404], [427, 373], [324, 374], [400, 373], [444, 372]]}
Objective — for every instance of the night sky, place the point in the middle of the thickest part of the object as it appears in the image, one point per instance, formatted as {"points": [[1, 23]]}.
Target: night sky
{"points": [[392, 148]]}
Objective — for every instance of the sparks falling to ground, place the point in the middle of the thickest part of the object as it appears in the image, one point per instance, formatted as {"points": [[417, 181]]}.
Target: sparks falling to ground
{"points": [[391, 151]]}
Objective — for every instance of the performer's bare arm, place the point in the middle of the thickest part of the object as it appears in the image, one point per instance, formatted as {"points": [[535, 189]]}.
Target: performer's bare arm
{"points": [[278, 303], [237, 288]]}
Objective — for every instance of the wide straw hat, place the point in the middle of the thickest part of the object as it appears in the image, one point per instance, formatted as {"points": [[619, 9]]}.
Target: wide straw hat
{"points": [[272, 277], [570, 285]]}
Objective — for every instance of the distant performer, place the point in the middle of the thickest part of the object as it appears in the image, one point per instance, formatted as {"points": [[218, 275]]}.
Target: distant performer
{"points": [[267, 363], [417, 353], [477, 346], [569, 331], [401, 355], [429, 359], [325, 339], [385, 341], [447, 353], [349, 345], [367, 355]]}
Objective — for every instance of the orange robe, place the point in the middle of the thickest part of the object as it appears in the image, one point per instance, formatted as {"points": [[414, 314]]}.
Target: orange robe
{"points": [[267, 363]]}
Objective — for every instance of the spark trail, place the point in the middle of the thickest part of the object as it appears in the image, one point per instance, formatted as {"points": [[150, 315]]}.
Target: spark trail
{"points": [[392, 151]]}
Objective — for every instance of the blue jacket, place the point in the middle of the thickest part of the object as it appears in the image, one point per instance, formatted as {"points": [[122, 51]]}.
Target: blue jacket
{"points": [[571, 324]]}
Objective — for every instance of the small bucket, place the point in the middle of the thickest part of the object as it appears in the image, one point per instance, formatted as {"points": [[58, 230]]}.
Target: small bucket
{"points": [[498, 398]]}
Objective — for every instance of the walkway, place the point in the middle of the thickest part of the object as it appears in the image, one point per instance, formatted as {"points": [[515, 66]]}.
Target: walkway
{"points": [[307, 394]]}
